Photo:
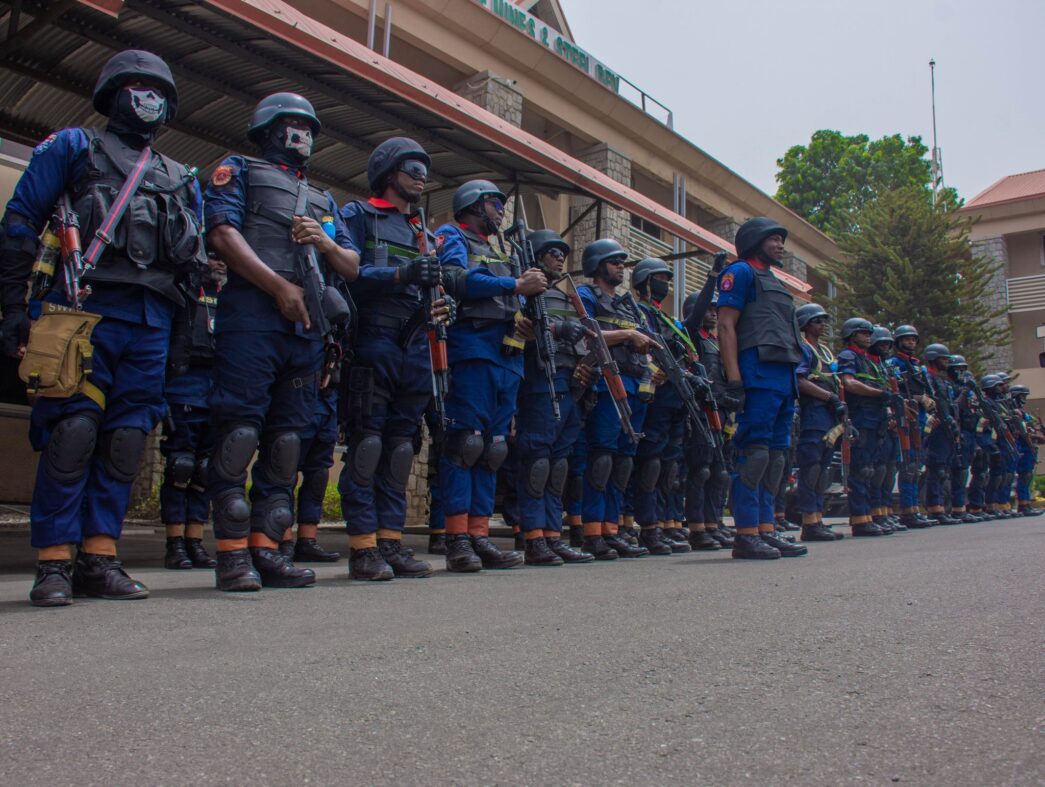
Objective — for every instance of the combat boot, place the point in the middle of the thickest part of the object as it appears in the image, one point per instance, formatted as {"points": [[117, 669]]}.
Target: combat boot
{"points": [[368, 565], [460, 556], [816, 532], [896, 524], [402, 560], [538, 553], [568, 553], [198, 555], [782, 523], [276, 571], [926, 520], [1029, 510], [946, 519], [721, 535], [624, 548], [176, 558], [702, 540], [102, 576], [678, 542], [629, 534], [492, 557], [308, 550], [747, 547], [437, 544], [286, 548], [911, 522], [54, 584], [653, 540], [235, 572], [576, 536], [969, 519], [881, 524], [784, 547], [599, 549], [866, 530]]}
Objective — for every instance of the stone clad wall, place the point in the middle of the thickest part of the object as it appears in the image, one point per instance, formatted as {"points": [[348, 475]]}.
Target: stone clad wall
{"points": [[995, 295]]}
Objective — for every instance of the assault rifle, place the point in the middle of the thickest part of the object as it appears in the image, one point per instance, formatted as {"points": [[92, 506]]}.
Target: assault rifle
{"points": [[67, 222], [849, 436], [600, 357], [903, 424], [987, 408], [436, 331], [943, 408], [326, 306]]}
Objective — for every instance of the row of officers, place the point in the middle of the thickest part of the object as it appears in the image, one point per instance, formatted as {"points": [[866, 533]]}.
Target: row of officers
{"points": [[262, 323]]}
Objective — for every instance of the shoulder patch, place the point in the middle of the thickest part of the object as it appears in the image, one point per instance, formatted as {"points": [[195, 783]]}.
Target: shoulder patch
{"points": [[726, 282], [222, 175], [45, 144]]}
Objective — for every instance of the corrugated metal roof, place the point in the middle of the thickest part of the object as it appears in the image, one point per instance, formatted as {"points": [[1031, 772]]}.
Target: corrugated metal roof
{"points": [[1011, 188], [228, 54]]}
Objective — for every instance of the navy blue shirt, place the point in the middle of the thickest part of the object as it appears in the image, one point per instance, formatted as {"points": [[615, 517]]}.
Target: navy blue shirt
{"points": [[465, 342], [244, 307], [56, 164]]}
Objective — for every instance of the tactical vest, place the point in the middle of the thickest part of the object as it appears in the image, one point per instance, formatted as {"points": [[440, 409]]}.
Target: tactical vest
{"points": [[821, 372], [914, 385], [192, 334], [769, 323], [272, 197], [159, 238], [486, 311], [711, 359], [613, 315], [390, 240], [869, 373], [559, 309]]}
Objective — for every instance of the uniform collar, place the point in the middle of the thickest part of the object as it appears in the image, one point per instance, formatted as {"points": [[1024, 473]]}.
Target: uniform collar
{"points": [[383, 204], [297, 173], [706, 334], [869, 356], [757, 264], [909, 358]]}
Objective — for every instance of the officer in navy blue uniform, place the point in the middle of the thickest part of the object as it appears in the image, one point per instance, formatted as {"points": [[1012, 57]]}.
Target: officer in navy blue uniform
{"points": [[761, 348], [92, 441], [486, 365], [966, 412], [821, 410], [941, 445], [187, 441], [390, 383], [542, 443], [659, 453], [268, 353], [610, 453], [912, 387], [885, 469]]}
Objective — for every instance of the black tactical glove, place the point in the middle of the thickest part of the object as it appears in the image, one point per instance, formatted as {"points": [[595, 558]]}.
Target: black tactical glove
{"points": [[422, 271], [735, 392], [720, 262], [451, 304], [838, 406], [14, 331], [569, 331]]}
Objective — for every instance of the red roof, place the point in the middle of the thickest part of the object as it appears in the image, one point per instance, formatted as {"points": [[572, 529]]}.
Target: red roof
{"points": [[1011, 188]]}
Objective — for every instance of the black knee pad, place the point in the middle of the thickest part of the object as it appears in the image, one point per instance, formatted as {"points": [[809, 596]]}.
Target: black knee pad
{"points": [[280, 454], [756, 463], [775, 469], [646, 476], [234, 451], [231, 514], [179, 469], [669, 476], [70, 447], [121, 451], [362, 457], [396, 462], [272, 516], [557, 476], [622, 467], [600, 466], [865, 474], [535, 475], [314, 484], [464, 448], [198, 482], [494, 454]]}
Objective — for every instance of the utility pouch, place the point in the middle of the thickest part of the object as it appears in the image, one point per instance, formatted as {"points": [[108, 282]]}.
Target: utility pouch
{"points": [[58, 357], [360, 391]]}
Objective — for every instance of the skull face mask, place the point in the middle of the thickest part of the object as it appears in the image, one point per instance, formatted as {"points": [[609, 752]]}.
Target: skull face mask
{"points": [[148, 104], [299, 140]]}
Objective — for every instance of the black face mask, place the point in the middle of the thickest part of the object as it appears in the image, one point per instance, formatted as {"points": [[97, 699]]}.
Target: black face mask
{"points": [[138, 111], [287, 146], [658, 290]]}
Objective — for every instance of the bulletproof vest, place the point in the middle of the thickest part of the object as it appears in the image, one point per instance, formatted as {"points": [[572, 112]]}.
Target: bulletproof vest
{"points": [[769, 323], [914, 385], [870, 373], [192, 333], [613, 314], [711, 359], [945, 393], [486, 311], [159, 238], [272, 198], [559, 309], [390, 240], [820, 370]]}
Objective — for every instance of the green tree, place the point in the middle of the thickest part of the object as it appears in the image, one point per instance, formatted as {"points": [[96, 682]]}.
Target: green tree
{"points": [[829, 180], [908, 261]]}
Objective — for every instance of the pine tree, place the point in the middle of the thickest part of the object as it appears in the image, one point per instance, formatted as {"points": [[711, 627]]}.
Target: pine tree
{"points": [[909, 261]]}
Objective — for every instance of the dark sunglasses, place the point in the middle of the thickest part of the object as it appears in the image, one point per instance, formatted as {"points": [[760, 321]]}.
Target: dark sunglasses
{"points": [[415, 169], [497, 202], [556, 253], [819, 320]]}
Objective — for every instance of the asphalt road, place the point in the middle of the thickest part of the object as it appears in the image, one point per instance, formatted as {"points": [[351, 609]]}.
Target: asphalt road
{"points": [[915, 659]]}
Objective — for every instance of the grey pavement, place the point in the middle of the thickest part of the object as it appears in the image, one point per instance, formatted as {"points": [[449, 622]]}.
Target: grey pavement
{"points": [[911, 659]]}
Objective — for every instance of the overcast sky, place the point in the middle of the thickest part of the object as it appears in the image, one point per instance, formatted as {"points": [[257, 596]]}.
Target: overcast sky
{"points": [[746, 80]]}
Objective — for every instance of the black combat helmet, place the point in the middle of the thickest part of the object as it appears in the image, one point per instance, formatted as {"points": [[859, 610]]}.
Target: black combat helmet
{"points": [[905, 330], [753, 232], [936, 351], [809, 311], [600, 251], [881, 334], [469, 193], [130, 65], [543, 241], [280, 105], [389, 155], [645, 268], [855, 324]]}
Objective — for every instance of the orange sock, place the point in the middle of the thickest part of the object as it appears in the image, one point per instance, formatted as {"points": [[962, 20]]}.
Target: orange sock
{"points": [[390, 535], [478, 526], [100, 545], [574, 519], [532, 534], [747, 531], [592, 529], [174, 531], [288, 534], [231, 544], [194, 530], [308, 531], [764, 528], [457, 524], [610, 528], [367, 541], [57, 552], [261, 541]]}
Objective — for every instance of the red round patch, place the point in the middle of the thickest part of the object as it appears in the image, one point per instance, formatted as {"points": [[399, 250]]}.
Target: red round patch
{"points": [[726, 282], [222, 175]]}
